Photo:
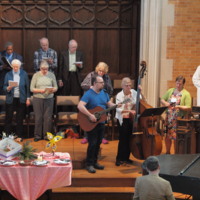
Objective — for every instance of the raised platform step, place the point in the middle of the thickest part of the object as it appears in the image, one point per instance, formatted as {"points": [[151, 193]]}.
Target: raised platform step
{"points": [[94, 190], [103, 182], [128, 191]]}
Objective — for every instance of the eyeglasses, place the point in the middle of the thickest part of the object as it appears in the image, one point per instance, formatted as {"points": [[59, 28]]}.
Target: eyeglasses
{"points": [[128, 85], [44, 69], [100, 82]]}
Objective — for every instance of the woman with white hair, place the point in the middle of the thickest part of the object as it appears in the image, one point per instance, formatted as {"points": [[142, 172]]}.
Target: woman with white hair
{"points": [[43, 86], [124, 115], [16, 87]]}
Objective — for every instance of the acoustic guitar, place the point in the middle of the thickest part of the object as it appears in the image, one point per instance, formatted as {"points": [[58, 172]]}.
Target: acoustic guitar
{"points": [[101, 115]]}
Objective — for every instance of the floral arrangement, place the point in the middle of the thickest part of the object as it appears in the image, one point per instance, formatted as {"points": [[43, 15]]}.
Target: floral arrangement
{"points": [[27, 152]]}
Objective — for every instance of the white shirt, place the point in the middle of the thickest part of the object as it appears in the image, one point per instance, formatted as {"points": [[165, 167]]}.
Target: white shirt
{"points": [[72, 60], [196, 82], [120, 98]]}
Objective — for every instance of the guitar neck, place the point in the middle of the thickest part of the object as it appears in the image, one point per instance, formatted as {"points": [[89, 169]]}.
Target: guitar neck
{"points": [[107, 110]]}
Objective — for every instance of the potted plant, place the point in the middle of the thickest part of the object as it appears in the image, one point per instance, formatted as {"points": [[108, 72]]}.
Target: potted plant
{"points": [[26, 155]]}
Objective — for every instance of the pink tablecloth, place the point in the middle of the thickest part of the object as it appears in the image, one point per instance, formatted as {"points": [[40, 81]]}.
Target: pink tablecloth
{"points": [[30, 182]]}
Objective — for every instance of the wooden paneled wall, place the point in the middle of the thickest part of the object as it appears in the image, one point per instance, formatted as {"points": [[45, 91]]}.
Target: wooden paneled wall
{"points": [[106, 30]]}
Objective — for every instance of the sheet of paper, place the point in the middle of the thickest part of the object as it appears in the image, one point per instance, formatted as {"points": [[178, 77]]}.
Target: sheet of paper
{"points": [[13, 83], [78, 62]]}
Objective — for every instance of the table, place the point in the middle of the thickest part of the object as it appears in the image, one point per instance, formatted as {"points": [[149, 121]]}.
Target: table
{"points": [[30, 182]]}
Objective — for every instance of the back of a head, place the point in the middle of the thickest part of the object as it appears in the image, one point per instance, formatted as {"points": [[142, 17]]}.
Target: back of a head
{"points": [[152, 163]]}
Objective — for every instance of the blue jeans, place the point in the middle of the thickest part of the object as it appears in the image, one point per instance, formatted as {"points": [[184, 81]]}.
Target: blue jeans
{"points": [[94, 141]]}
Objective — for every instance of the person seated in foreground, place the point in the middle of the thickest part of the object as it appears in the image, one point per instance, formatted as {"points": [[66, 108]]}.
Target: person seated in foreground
{"points": [[151, 186]]}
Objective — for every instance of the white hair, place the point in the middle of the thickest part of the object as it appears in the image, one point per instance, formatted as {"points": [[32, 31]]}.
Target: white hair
{"points": [[16, 62], [73, 42], [44, 39]]}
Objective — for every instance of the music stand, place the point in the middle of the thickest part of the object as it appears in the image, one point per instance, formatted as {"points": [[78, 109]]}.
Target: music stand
{"points": [[196, 111], [150, 112]]}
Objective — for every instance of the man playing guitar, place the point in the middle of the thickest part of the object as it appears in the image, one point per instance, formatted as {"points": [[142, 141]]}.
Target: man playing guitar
{"points": [[94, 97]]}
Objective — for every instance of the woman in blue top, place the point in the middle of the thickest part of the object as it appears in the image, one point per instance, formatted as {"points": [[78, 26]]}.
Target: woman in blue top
{"points": [[16, 87]]}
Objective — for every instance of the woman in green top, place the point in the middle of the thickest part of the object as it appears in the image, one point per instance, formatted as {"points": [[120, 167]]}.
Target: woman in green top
{"points": [[43, 86], [178, 101]]}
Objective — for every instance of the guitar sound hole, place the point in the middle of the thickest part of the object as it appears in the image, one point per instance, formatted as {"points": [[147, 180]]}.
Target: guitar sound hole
{"points": [[98, 116]]}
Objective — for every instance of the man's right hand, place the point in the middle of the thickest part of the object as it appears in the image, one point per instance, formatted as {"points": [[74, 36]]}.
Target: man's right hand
{"points": [[92, 118]]}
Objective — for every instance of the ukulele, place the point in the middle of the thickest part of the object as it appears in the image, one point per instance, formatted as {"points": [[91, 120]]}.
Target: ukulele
{"points": [[101, 115]]}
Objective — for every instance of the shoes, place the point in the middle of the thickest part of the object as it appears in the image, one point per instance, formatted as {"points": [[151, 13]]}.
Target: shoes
{"points": [[98, 166], [118, 162], [36, 139], [84, 141], [129, 161], [90, 169], [104, 141]]}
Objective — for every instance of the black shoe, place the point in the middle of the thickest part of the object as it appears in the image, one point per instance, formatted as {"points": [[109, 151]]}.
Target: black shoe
{"points": [[90, 169], [36, 139], [98, 166], [129, 161], [118, 163]]}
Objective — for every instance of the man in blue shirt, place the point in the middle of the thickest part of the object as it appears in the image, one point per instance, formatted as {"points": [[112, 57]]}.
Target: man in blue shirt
{"points": [[94, 97]]}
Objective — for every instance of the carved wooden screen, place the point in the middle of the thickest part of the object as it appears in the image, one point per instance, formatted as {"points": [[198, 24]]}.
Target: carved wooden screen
{"points": [[105, 30]]}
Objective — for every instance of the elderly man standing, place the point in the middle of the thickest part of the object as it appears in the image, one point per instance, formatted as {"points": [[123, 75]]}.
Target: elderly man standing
{"points": [[70, 66], [10, 55], [47, 54], [16, 87]]}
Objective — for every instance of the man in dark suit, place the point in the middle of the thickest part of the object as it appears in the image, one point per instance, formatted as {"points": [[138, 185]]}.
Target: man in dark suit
{"points": [[70, 66], [151, 186], [10, 55]]}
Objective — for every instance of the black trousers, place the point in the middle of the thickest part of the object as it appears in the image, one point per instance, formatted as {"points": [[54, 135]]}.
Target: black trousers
{"points": [[125, 132], [20, 109], [94, 141], [72, 85]]}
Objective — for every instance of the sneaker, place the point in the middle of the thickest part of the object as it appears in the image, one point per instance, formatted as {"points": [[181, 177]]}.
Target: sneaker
{"points": [[90, 169], [104, 141], [84, 141], [98, 166]]}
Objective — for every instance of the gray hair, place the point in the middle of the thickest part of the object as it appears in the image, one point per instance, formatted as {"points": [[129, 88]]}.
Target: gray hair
{"points": [[152, 163], [7, 44], [125, 80], [16, 62], [44, 64]]}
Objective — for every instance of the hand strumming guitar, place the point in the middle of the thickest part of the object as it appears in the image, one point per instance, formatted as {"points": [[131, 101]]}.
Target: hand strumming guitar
{"points": [[92, 118]]}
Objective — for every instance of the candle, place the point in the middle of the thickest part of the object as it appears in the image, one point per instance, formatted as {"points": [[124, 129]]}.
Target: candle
{"points": [[39, 158]]}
